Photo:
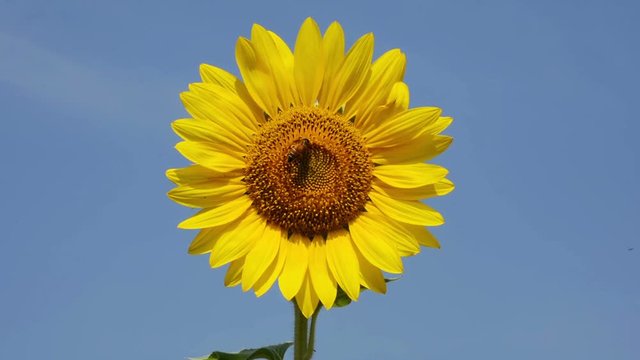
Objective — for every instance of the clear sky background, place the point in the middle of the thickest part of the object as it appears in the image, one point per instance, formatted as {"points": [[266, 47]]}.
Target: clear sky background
{"points": [[535, 262]]}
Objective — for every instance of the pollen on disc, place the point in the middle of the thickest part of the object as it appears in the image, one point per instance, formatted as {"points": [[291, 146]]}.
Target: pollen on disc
{"points": [[308, 171]]}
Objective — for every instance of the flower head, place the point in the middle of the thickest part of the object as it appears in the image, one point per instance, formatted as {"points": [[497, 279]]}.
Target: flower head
{"points": [[309, 170]]}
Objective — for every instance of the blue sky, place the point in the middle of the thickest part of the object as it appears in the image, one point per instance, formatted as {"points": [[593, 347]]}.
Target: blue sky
{"points": [[535, 261]]}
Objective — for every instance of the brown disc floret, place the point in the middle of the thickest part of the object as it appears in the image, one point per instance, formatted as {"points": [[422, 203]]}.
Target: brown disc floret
{"points": [[308, 171]]}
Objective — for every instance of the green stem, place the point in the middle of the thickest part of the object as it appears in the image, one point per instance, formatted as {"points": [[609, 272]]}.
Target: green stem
{"points": [[312, 334], [300, 334]]}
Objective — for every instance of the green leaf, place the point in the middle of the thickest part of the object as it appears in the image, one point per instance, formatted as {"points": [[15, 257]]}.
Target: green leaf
{"points": [[271, 352], [343, 300]]}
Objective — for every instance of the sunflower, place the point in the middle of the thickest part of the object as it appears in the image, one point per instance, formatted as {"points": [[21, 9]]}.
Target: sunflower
{"points": [[309, 170]]}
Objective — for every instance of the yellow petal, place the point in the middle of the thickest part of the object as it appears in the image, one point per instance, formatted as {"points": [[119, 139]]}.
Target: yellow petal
{"points": [[309, 62], [213, 156], [209, 194], [228, 104], [257, 77], [411, 175], [321, 279], [268, 51], [407, 211], [394, 232], [306, 298], [237, 240], [234, 273], [378, 250], [398, 99], [261, 256], [370, 276], [205, 131], [397, 102], [220, 215], [284, 52], [287, 60], [204, 241], [439, 125], [353, 73], [424, 236], [215, 75], [385, 72], [406, 125], [333, 47], [273, 271], [440, 188], [205, 110], [295, 266], [192, 175], [343, 262], [422, 148]]}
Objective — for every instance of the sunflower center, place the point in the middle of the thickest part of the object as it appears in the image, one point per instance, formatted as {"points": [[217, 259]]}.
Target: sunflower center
{"points": [[308, 171]]}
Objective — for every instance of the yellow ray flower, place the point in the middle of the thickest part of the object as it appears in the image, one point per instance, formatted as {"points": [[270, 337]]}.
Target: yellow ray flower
{"points": [[309, 170]]}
